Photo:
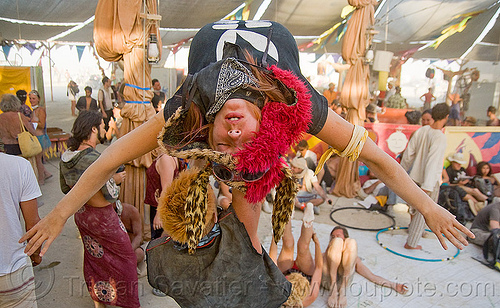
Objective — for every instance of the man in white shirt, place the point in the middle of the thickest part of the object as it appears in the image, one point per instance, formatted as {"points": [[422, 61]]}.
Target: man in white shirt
{"points": [[423, 160], [18, 192]]}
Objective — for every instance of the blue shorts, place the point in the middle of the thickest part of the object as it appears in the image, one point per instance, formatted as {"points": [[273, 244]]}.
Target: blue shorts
{"points": [[304, 196]]}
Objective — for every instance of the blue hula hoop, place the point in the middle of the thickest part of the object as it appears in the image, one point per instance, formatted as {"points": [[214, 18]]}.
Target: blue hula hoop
{"points": [[410, 257]]}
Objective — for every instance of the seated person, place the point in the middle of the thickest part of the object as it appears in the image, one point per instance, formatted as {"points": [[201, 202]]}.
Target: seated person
{"points": [[131, 219], [413, 117], [484, 181], [340, 261], [371, 113], [469, 121], [328, 174], [309, 189], [486, 220], [304, 272], [458, 178], [372, 193], [397, 101], [426, 117], [197, 277], [310, 156], [373, 185]]}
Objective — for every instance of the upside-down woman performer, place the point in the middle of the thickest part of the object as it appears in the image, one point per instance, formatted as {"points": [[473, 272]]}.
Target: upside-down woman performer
{"points": [[242, 118]]}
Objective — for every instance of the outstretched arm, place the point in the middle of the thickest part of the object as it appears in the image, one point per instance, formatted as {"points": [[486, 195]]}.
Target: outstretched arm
{"points": [[337, 133], [30, 214], [132, 145], [381, 281]]}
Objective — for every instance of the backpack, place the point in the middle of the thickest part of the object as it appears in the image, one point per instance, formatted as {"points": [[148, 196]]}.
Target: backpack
{"points": [[449, 198], [492, 245]]}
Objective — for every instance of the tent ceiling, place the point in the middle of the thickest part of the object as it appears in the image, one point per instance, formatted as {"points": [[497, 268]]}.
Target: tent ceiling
{"points": [[408, 22]]}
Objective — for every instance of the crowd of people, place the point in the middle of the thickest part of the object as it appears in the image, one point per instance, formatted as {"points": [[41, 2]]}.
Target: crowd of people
{"points": [[392, 98], [223, 145]]}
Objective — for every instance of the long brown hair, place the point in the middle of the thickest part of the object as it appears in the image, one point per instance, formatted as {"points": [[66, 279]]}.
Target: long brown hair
{"points": [[480, 166], [193, 128]]}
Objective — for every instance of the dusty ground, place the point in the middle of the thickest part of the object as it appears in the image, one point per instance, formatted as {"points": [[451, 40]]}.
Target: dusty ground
{"points": [[60, 281]]}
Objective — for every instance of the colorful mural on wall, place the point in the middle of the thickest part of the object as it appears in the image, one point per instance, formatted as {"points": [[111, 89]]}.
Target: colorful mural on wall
{"points": [[480, 143]]}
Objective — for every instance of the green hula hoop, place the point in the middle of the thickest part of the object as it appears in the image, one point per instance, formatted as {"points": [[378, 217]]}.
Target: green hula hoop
{"points": [[410, 257]]}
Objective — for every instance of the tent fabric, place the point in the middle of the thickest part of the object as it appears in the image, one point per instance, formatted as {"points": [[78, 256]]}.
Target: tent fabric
{"points": [[410, 23], [13, 78], [355, 93], [118, 34]]}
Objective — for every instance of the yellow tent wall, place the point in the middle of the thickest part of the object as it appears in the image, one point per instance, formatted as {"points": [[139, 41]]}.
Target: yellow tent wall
{"points": [[13, 78]]}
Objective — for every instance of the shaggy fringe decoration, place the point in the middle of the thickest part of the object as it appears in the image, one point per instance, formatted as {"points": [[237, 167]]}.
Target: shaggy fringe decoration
{"points": [[173, 120], [172, 207], [196, 209], [281, 127], [283, 204]]}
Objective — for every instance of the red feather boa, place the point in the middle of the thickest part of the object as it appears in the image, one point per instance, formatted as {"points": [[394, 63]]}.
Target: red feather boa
{"points": [[281, 127]]}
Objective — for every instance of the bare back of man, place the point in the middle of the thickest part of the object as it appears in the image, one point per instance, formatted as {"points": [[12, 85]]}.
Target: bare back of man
{"points": [[132, 221]]}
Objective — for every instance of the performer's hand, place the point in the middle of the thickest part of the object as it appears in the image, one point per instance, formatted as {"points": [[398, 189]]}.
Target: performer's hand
{"points": [[46, 230], [444, 224]]}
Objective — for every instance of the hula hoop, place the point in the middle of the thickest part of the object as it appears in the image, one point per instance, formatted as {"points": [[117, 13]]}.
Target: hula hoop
{"points": [[410, 257], [393, 222]]}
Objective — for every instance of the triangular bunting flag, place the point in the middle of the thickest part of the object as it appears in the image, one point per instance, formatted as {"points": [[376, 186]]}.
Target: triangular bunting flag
{"points": [[336, 57], [79, 50], [31, 47], [6, 50]]}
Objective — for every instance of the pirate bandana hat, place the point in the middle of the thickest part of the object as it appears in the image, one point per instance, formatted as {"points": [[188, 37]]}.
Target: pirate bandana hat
{"points": [[281, 126], [269, 43]]}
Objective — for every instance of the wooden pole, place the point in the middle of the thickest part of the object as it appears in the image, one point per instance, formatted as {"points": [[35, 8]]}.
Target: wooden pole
{"points": [[50, 75]]}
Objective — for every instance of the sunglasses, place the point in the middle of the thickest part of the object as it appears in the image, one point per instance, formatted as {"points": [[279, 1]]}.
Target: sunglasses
{"points": [[224, 174]]}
